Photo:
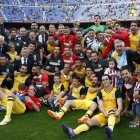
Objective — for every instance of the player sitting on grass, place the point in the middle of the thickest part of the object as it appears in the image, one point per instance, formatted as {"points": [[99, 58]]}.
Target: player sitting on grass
{"points": [[110, 105], [88, 103], [58, 88]]}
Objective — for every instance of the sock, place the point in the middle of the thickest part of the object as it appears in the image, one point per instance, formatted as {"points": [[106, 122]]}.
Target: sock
{"points": [[81, 128], [62, 111], [10, 103], [111, 121], [89, 113]]}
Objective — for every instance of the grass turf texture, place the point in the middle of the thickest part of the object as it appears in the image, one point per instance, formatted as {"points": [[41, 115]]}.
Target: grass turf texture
{"points": [[39, 126]]}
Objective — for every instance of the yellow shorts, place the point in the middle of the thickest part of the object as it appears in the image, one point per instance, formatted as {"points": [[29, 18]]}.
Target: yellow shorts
{"points": [[82, 104], [18, 107], [104, 120]]}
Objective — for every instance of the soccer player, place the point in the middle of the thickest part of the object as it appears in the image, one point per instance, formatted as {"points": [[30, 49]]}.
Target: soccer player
{"points": [[12, 105], [110, 105], [88, 103], [134, 37]]}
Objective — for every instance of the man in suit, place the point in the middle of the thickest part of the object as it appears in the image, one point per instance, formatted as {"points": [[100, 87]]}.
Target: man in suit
{"points": [[3, 47], [43, 36], [14, 39], [24, 60]]}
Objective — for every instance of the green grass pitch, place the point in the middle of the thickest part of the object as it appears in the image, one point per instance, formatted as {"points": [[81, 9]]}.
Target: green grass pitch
{"points": [[39, 126]]}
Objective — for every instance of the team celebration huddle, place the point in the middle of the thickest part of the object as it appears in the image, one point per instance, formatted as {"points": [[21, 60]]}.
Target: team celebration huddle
{"points": [[64, 69]]}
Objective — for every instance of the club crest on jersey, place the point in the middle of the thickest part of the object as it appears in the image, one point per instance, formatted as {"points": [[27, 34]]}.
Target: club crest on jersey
{"points": [[113, 95], [99, 65]]}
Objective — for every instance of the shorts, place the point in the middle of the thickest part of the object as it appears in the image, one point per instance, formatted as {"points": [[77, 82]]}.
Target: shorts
{"points": [[136, 109], [82, 104], [70, 97], [102, 120], [18, 107], [22, 98]]}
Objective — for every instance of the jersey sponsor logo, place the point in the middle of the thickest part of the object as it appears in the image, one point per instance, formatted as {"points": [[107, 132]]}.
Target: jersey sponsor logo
{"points": [[54, 63]]}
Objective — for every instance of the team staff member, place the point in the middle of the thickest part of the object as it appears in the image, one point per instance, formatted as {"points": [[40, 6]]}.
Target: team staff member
{"points": [[6, 72], [97, 64], [54, 65], [110, 105]]}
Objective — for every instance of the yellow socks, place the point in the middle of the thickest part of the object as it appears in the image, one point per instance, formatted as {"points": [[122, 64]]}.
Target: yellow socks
{"points": [[62, 111], [111, 121], [81, 128], [89, 113], [10, 103]]}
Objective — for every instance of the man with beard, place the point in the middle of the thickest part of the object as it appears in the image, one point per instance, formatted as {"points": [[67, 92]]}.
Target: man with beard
{"points": [[14, 39], [97, 64], [128, 81], [134, 37], [20, 77], [40, 80], [79, 37], [80, 51], [88, 78], [87, 103], [79, 69]]}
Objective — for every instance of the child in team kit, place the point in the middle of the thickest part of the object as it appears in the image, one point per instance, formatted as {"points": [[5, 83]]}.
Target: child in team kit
{"points": [[58, 89], [112, 70]]}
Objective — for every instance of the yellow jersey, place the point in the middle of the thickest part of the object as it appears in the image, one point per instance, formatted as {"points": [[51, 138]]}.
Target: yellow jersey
{"points": [[88, 82], [50, 48], [134, 41], [77, 92], [57, 89], [109, 99], [65, 80], [90, 95], [18, 80], [80, 72], [12, 55]]}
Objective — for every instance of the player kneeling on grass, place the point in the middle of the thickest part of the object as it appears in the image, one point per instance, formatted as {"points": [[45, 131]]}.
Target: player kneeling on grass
{"points": [[87, 103], [110, 105]]}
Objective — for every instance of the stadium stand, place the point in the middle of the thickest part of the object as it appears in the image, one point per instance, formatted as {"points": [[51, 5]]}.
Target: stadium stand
{"points": [[69, 10]]}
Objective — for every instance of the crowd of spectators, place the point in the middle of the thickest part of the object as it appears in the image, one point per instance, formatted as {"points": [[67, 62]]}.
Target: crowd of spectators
{"points": [[68, 10]]}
